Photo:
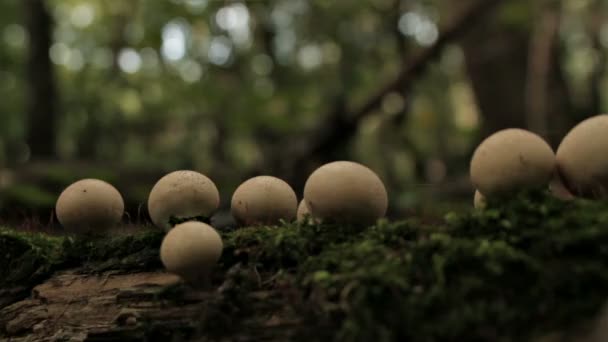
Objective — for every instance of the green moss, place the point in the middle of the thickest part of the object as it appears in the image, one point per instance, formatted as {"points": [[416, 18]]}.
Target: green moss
{"points": [[517, 270], [124, 252], [522, 268], [282, 247], [27, 257]]}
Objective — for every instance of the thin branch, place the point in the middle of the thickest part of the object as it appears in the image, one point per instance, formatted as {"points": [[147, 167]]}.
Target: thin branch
{"points": [[340, 124], [419, 64]]}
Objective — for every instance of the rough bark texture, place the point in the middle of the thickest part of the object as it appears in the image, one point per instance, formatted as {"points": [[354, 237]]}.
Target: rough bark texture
{"points": [[76, 306]]}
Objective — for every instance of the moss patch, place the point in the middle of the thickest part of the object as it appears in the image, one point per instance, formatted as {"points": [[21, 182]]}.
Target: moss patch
{"points": [[518, 270], [29, 258]]}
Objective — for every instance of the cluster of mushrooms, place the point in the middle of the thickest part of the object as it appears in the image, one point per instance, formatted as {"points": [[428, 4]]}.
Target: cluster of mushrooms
{"points": [[340, 192], [515, 159]]}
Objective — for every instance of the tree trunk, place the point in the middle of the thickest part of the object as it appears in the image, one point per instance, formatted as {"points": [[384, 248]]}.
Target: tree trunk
{"points": [[516, 73], [547, 95], [41, 89], [496, 58]]}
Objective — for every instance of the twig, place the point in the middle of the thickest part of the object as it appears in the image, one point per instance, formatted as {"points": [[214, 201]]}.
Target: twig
{"points": [[420, 63], [340, 125]]}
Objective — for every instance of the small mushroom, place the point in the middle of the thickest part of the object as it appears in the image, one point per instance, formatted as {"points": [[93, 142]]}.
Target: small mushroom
{"points": [[182, 195], [346, 192], [304, 214], [511, 160], [264, 200], [479, 201], [89, 206], [581, 158], [190, 250]]}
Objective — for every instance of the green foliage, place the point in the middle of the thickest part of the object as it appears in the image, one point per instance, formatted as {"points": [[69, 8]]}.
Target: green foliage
{"points": [[28, 195], [289, 64]]}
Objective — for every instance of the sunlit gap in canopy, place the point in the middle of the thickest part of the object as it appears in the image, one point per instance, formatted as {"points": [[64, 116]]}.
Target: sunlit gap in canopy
{"points": [[129, 60], [418, 26], [220, 50], [82, 15], [235, 19], [175, 40]]}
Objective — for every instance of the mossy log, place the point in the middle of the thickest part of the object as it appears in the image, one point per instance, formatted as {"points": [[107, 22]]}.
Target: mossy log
{"points": [[530, 269]]}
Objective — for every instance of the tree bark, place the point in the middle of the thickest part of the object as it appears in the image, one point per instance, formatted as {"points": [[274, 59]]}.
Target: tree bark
{"points": [[41, 88], [496, 58], [547, 96], [139, 306]]}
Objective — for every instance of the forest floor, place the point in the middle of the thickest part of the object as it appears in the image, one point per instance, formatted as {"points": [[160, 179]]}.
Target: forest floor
{"points": [[530, 269]]}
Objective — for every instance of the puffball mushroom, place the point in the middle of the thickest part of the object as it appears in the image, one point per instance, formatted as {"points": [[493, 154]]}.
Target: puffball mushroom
{"points": [[89, 206], [190, 250], [303, 211], [182, 194], [582, 159], [264, 200], [346, 192], [479, 201], [511, 160], [304, 214]]}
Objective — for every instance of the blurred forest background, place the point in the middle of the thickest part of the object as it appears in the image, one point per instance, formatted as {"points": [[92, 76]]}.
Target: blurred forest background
{"points": [[128, 90]]}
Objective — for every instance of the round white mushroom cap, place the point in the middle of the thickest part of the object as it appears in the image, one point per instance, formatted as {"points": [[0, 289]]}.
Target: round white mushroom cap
{"points": [[182, 194], [512, 160], [582, 158], [346, 192], [263, 200], [190, 250], [479, 201], [89, 206]]}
